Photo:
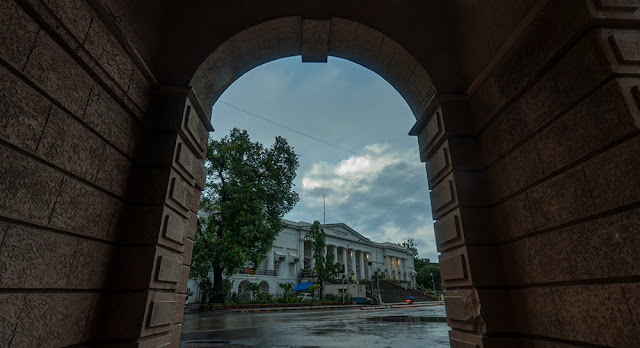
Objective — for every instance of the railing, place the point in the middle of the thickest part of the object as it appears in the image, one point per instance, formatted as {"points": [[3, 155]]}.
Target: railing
{"points": [[247, 270], [307, 274]]}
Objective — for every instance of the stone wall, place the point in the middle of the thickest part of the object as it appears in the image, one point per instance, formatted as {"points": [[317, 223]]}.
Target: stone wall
{"points": [[531, 148], [99, 192], [535, 185]]}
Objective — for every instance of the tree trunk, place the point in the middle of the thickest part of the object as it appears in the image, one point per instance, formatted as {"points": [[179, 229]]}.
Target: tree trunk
{"points": [[218, 291]]}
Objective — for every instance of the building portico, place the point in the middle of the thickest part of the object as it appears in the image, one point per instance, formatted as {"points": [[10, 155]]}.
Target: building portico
{"points": [[290, 254]]}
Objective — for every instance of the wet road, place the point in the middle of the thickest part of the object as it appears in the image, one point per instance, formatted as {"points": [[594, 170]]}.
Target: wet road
{"points": [[405, 327]]}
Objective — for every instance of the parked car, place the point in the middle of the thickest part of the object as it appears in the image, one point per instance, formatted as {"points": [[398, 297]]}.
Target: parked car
{"points": [[305, 296]]}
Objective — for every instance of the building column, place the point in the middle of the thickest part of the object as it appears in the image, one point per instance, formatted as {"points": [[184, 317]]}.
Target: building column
{"points": [[367, 268], [388, 264], [361, 265], [270, 260], [344, 260], [300, 254], [353, 263], [335, 253], [313, 260]]}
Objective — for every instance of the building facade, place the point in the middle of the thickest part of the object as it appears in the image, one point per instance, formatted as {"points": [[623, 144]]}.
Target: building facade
{"points": [[290, 254]]}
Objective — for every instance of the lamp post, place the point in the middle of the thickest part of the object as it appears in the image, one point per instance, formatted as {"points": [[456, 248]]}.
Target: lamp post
{"points": [[371, 271], [434, 283], [342, 287]]}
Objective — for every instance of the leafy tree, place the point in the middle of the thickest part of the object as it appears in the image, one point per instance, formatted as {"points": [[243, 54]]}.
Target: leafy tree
{"points": [[248, 190], [325, 267], [287, 287], [313, 288], [424, 276], [411, 246]]}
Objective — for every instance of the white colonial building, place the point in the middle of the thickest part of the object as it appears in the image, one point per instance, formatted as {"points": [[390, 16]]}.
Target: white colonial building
{"points": [[291, 253]]}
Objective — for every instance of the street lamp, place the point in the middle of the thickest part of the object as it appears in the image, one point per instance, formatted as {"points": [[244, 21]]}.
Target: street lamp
{"points": [[371, 271], [434, 283]]}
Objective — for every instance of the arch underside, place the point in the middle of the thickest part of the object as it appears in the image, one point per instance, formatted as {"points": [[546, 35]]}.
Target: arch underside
{"points": [[313, 40], [531, 146]]}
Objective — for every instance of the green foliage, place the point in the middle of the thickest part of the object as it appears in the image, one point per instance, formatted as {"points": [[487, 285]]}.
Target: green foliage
{"points": [[363, 281], [332, 297], [254, 288], [313, 288], [248, 190], [424, 275], [287, 287], [325, 268], [411, 246]]}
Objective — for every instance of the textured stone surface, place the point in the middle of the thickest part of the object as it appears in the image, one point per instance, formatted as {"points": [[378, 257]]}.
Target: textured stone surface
{"points": [[108, 52], [612, 191], [32, 258], [113, 172], [24, 112], [91, 265], [610, 322], [315, 40], [169, 270], [538, 259], [70, 146], [584, 244], [341, 37], [626, 5], [161, 313], [545, 35], [513, 218], [535, 312], [592, 124], [626, 46], [196, 129], [561, 199], [83, 209], [180, 192], [140, 90], [108, 119], [51, 68], [453, 267], [75, 14], [27, 197], [289, 35], [45, 320], [17, 34]]}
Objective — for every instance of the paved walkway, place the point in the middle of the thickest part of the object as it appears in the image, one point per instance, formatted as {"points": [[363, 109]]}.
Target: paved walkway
{"points": [[383, 306]]}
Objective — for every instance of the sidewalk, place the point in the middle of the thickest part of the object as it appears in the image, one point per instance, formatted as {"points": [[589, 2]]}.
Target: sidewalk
{"points": [[282, 309], [384, 306], [404, 305]]}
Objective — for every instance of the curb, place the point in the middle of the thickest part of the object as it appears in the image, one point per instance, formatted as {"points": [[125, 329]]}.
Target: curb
{"points": [[291, 309], [403, 306]]}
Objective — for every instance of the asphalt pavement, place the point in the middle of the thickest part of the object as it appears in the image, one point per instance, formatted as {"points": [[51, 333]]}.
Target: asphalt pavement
{"points": [[398, 327]]}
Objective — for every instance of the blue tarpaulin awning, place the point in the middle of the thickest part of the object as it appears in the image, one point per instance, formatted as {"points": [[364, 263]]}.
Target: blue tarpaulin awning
{"points": [[302, 286]]}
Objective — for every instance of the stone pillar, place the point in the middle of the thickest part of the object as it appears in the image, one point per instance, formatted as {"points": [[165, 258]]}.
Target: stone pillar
{"points": [[345, 261], [353, 264], [387, 261], [300, 253], [159, 226], [362, 276], [270, 265], [335, 253]]}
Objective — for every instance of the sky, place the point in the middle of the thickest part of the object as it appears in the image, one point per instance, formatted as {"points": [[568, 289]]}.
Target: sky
{"points": [[361, 159]]}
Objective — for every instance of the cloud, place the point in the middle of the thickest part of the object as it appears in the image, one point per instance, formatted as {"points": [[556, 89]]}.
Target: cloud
{"points": [[376, 193], [351, 107]]}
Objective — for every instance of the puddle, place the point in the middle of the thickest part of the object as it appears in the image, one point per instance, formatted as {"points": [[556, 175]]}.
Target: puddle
{"points": [[410, 319]]}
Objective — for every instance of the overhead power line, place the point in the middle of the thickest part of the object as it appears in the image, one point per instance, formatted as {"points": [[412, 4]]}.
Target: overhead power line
{"points": [[387, 204], [316, 139]]}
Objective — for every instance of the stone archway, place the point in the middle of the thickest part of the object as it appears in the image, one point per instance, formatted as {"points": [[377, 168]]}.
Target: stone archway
{"points": [[264, 287], [531, 148]]}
